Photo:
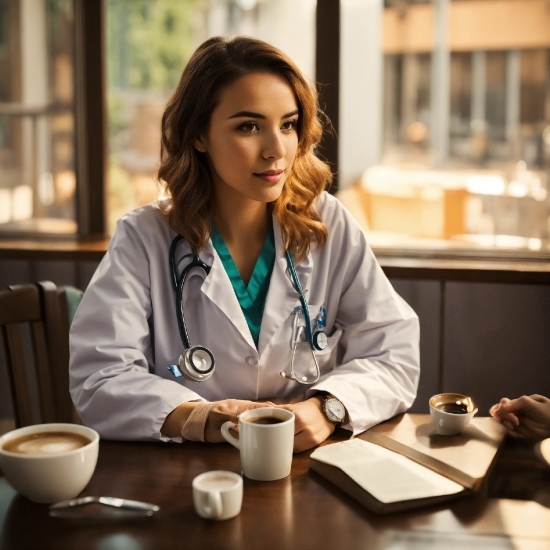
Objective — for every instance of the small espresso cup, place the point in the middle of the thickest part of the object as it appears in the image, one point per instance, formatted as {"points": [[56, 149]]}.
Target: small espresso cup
{"points": [[266, 442], [451, 412], [218, 494], [49, 462]]}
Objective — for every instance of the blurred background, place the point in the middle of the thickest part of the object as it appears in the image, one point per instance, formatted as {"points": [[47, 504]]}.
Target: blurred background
{"points": [[441, 111]]}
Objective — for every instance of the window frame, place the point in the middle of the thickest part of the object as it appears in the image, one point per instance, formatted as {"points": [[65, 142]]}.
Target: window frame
{"points": [[90, 116]]}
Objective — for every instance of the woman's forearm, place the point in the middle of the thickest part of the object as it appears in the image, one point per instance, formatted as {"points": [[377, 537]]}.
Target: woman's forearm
{"points": [[177, 418]]}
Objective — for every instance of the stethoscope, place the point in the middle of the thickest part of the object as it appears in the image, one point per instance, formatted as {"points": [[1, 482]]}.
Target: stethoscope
{"points": [[197, 363]]}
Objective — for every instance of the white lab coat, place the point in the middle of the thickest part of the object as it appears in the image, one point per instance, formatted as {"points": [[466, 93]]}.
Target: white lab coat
{"points": [[125, 332]]}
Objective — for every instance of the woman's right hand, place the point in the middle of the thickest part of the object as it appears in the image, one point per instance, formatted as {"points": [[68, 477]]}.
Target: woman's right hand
{"points": [[222, 411]]}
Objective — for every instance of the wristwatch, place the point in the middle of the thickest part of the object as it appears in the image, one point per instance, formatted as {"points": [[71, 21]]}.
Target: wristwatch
{"points": [[332, 408]]}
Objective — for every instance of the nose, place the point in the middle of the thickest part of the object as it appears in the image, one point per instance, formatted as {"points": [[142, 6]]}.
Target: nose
{"points": [[274, 147]]}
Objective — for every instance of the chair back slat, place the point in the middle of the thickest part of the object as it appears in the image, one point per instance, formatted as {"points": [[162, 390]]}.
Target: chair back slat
{"points": [[57, 324], [19, 304], [42, 369], [17, 375], [43, 307]]}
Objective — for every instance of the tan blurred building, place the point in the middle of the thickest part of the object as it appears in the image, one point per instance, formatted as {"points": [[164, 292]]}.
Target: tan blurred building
{"points": [[466, 98]]}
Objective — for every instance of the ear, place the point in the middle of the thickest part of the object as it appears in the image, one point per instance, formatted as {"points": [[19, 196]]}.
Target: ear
{"points": [[199, 145]]}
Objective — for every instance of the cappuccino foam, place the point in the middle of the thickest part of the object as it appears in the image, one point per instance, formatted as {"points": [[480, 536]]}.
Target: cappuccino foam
{"points": [[219, 482], [46, 443]]}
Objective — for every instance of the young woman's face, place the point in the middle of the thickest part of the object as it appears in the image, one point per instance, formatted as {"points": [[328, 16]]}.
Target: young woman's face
{"points": [[252, 138]]}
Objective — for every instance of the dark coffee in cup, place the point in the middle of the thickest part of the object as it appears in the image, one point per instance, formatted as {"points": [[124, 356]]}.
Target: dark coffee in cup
{"points": [[46, 443], [453, 408], [451, 412], [264, 420]]}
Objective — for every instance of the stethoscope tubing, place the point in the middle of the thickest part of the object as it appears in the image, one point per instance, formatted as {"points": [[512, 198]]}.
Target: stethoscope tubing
{"points": [[178, 286], [298, 287], [294, 344]]}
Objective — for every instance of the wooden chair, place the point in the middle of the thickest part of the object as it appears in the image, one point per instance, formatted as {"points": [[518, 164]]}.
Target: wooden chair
{"points": [[42, 306]]}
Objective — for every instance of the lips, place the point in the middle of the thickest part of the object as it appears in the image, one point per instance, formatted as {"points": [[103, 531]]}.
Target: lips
{"points": [[270, 176]]}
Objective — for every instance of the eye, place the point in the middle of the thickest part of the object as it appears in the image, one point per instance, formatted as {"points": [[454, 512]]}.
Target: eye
{"points": [[249, 127], [289, 125]]}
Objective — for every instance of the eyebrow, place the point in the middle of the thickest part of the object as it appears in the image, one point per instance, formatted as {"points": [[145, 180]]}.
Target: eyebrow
{"points": [[250, 114]]}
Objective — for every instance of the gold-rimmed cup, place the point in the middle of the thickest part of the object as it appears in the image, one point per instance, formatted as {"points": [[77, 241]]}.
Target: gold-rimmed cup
{"points": [[451, 412]]}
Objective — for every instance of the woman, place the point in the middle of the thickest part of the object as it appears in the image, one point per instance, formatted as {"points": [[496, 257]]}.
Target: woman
{"points": [[244, 187]]}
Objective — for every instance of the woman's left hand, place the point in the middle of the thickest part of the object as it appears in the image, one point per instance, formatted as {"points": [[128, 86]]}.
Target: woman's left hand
{"points": [[311, 425]]}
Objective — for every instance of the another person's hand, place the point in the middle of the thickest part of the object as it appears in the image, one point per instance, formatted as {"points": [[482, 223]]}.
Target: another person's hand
{"points": [[311, 425], [527, 417]]}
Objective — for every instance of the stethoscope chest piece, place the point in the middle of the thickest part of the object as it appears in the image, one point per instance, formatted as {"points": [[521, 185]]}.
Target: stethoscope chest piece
{"points": [[320, 340], [197, 364]]}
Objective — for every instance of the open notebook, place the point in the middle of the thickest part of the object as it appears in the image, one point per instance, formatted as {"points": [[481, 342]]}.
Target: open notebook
{"points": [[403, 464]]}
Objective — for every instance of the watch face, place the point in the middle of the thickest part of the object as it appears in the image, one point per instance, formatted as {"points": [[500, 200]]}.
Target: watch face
{"points": [[336, 410]]}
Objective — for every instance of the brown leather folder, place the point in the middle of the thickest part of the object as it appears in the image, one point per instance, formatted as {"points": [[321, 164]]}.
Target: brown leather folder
{"points": [[355, 491], [465, 458]]}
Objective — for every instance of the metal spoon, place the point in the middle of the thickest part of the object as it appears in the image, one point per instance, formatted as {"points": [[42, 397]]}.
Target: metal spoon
{"points": [[108, 501]]}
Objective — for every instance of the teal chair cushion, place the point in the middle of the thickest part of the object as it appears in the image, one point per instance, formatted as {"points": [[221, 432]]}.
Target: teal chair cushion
{"points": [[74, 296]]}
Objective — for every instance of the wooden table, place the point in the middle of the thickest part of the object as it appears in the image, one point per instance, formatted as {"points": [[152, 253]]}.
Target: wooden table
{"points": [[300, 512]]}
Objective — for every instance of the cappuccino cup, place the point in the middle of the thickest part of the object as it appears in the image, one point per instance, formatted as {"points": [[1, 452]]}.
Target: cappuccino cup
{"points": [[218, 494], [266, 442], [451, 412], [49, 462]]}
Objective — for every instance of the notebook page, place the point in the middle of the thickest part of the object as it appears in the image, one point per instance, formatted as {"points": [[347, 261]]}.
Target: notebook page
{"points": [[387, 476]]}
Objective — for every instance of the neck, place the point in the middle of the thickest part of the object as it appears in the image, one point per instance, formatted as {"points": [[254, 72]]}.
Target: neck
{"points": [[243, 225], [241, 220]]}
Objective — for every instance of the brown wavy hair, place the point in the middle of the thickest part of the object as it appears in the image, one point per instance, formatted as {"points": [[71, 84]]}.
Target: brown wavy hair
{"points": [[184, 172]]}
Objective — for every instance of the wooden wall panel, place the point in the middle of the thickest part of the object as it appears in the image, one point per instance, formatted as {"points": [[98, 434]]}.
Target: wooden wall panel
{"points": [[423, 297], [497, 341]]}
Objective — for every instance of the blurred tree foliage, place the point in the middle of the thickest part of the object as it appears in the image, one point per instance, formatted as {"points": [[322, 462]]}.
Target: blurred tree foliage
{"points": [[149, 42]]}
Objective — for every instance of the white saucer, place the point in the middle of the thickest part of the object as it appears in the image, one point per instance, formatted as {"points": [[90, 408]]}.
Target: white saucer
{"points": [[544, 448]]}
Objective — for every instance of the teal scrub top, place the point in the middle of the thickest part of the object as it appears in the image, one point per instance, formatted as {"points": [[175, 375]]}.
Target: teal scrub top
{"points": [[252, 297]]}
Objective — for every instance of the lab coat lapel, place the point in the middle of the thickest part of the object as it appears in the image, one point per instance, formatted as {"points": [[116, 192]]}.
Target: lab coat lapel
{"points": [[218, 288], [282, 297]]}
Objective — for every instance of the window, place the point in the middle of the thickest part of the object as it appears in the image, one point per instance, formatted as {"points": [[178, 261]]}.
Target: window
{"points": [[442, 116], [148, 45], [37, 124], [464, 160], [55, 178], [406, 107]]}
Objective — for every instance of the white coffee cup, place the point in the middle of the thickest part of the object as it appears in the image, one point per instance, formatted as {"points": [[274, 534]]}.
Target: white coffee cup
{"points": [[266, 448], [451, 412], [218, 494], [53, 470]]}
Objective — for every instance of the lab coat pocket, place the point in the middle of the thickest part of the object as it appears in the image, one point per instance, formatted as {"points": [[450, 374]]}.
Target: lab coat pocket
{"points": [[326, 359]]}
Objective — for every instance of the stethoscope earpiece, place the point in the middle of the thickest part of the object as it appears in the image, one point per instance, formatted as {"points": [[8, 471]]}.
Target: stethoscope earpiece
{"points": [[197, 364]]}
